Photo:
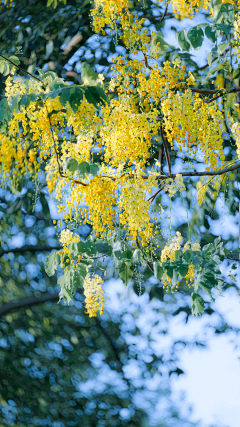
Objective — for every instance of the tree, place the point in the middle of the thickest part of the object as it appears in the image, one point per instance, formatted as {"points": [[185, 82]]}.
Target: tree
{"points": [[101, 146], [58, 366]]}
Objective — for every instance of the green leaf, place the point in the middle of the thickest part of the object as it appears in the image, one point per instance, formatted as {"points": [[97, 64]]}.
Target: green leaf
{"points": [[183, 269], [222, 47], [49, 49], [82, 270], [236, 73], [66, 294], [197, 260], [210, 32], [72, 165], [224, 28], [187, 255], [50, 261], [197, 304], [209, 58], [137, 255], [196, 37], [217, 240], [6, 69], [158, 46], [158, 270], [125, 272], [227, 12], [14, 59], [94, 94], [88, 75], [103, 247], [127, 255], [209, 276], [61, 281], [118, 255], [2, 63], [75, 98], [211, 72], [4, 110], [84, 168], [45, 206], [81, 247], [78, 279], [94, 168], [206, 288], [183, 40], [91, 248], [170, 272], [72, 247], [178, 254], [174, 278]]}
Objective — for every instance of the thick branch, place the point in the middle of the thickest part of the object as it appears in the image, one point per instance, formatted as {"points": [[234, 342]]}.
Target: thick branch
{"points": [[210, 173], [28, 301], [30, 249]]}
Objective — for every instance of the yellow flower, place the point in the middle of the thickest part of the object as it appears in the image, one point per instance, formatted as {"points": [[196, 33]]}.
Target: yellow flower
{"points": [[67, 237], [100, 79], [94, 294]]}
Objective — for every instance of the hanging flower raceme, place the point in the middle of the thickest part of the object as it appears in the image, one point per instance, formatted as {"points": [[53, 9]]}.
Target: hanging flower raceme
{"points": [[194, 125], [94, 294]]}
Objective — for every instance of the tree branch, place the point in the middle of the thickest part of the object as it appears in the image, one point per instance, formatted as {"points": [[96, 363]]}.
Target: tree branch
{"points": [[214, 59], [4, 309], [17, 66], [167, 152], [30, 249], [165, 12], [155, 195]]}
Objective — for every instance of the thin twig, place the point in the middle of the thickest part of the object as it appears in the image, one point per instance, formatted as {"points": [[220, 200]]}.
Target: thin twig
{"points": [[214, 59], [146, 61], [167, 152], [24, 71], [165, 12], [155, 195], [147, 262]]}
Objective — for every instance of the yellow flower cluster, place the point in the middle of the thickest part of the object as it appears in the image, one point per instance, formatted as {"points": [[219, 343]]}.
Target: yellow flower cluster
{"points": [[135, 209], [187, 8], [174, 185], [194, 124], [116, 14], [94, 294], [169, 250], [132, 78], [237, 32], [67, 237], [126, 132], [236, 132], [194, 246], [203, 187], [190, 275]]}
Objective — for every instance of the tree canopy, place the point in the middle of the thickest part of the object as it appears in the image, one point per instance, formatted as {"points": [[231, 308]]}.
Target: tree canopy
{"points": [[110, 146]]}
